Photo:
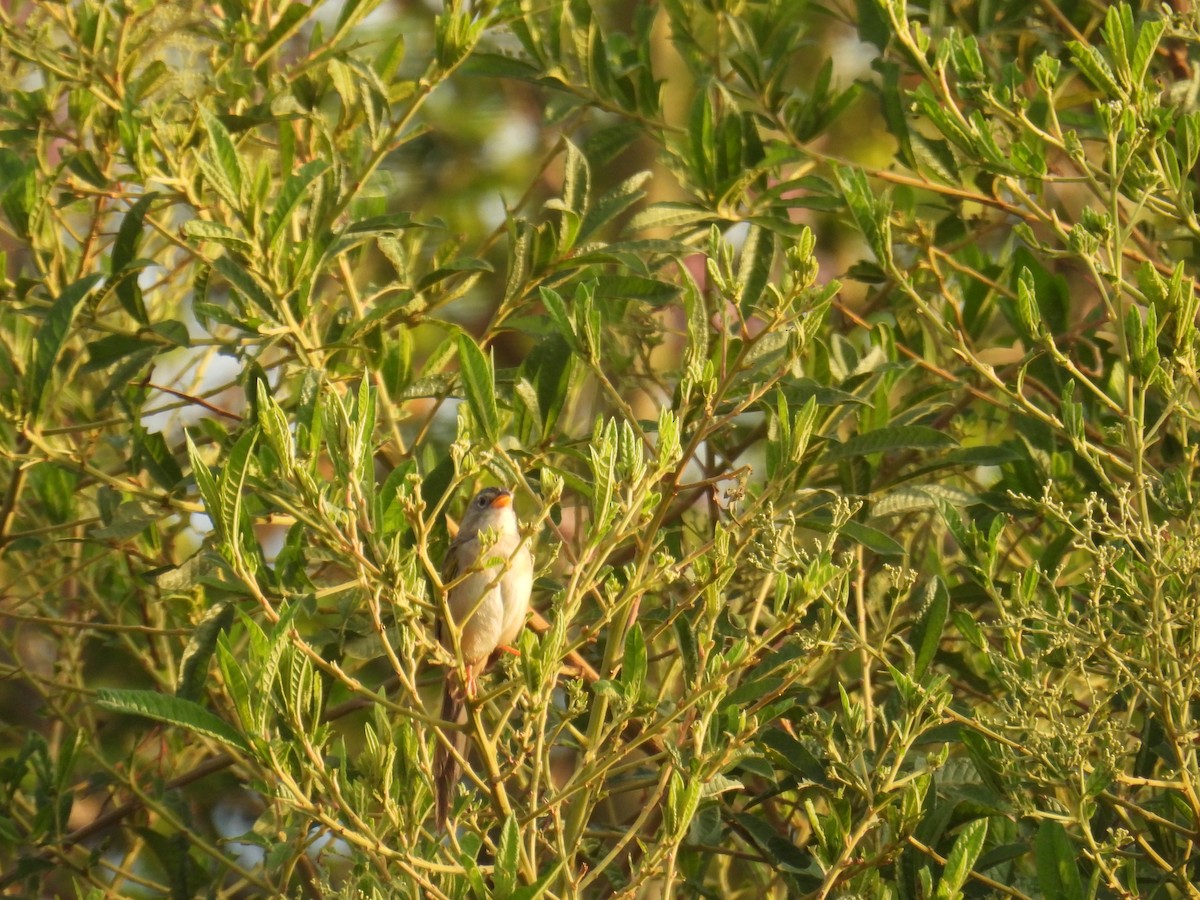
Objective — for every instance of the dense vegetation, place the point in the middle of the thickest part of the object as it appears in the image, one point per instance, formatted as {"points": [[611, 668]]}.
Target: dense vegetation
{"points": [[843, 359]]}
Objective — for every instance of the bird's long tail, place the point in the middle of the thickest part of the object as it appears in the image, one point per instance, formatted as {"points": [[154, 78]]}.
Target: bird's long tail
{"points": [[446, 768]]}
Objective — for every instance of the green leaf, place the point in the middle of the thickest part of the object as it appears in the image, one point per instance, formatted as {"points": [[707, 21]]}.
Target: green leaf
{"points": [[896, 437], [1149, 35], [233, 476], [507, 857], [207, 485], [286, 26], [193, 662], [550, 364], [873, 25], [635, 287], [558, 314], [612, 204], [233, 676], [671, 215], [538, 888], [576, 180], [1089, 61], [633, 668], [927, 630], [52, 336], [202, 230], [108, 350], [386, 224], [246, 286], [871, 211], [479, 386], [274, 424], [84, 165], [794, 756], [1057, 873], [184, 875], [966, 850], [124, 252], [129, 520], [780, 853], [754, 268], [172, 711], [873, 539], [229, 167], [268, 654], [290, 196], [689, 653], [156, 458]]}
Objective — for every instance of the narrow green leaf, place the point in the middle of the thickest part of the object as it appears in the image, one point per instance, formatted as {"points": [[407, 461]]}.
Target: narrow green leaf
{"points": [[897, 437], [286, 26], [1057, 873], [633, 668], [871, 211], [245, 285], [966, 849], [237, 685], [689, 653], [754, 268], [1118, 34], [1029, 312], [173, 711], [386, 224], [290, 195], [1149, 35], [873, 539], [207, 485], [229, 164], [603, 454], [274, 425], [927, 630], [193, 662], [550, 364], [479, 386], [558, 314], [576, 180], [124, 252], [635, 287], [233, 476], [129, 520], [795, 757], [539, 888], [156, 458], [84, 165], [268, 653], [52, 336], [108, 350], [1092, 64], [507, 857], [671, 214], [363, 428], [201, 230], [612, 204]]}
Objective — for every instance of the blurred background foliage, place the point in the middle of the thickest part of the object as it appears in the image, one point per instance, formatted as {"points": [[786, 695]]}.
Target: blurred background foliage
{"points": [[842, 357]]}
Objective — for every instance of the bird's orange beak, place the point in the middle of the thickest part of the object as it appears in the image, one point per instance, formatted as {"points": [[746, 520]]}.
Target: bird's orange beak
{"points": [[502, 500]]}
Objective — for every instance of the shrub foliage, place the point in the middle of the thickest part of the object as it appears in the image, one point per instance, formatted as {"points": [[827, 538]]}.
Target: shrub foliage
{"points": [[850, 412]]}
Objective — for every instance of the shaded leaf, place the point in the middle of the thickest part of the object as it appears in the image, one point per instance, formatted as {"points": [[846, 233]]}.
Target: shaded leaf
{"points": [[173, 711], [479, 386]]}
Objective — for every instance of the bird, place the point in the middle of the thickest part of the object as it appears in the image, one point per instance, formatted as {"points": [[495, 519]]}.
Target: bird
{"points": [[488, 587]]}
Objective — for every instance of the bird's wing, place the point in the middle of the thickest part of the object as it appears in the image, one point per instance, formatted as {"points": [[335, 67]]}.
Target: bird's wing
{"points": [[449, 573]]}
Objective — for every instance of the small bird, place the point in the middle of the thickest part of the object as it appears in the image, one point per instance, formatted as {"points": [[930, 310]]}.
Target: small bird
{"points": [[488, 599]]}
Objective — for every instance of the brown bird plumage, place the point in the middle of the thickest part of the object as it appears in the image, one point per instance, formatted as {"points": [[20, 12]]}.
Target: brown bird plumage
{"points": [[488, 604]]}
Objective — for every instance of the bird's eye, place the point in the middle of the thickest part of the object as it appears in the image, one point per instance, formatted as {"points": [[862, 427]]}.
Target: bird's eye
{"points": [[482, 501]]}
